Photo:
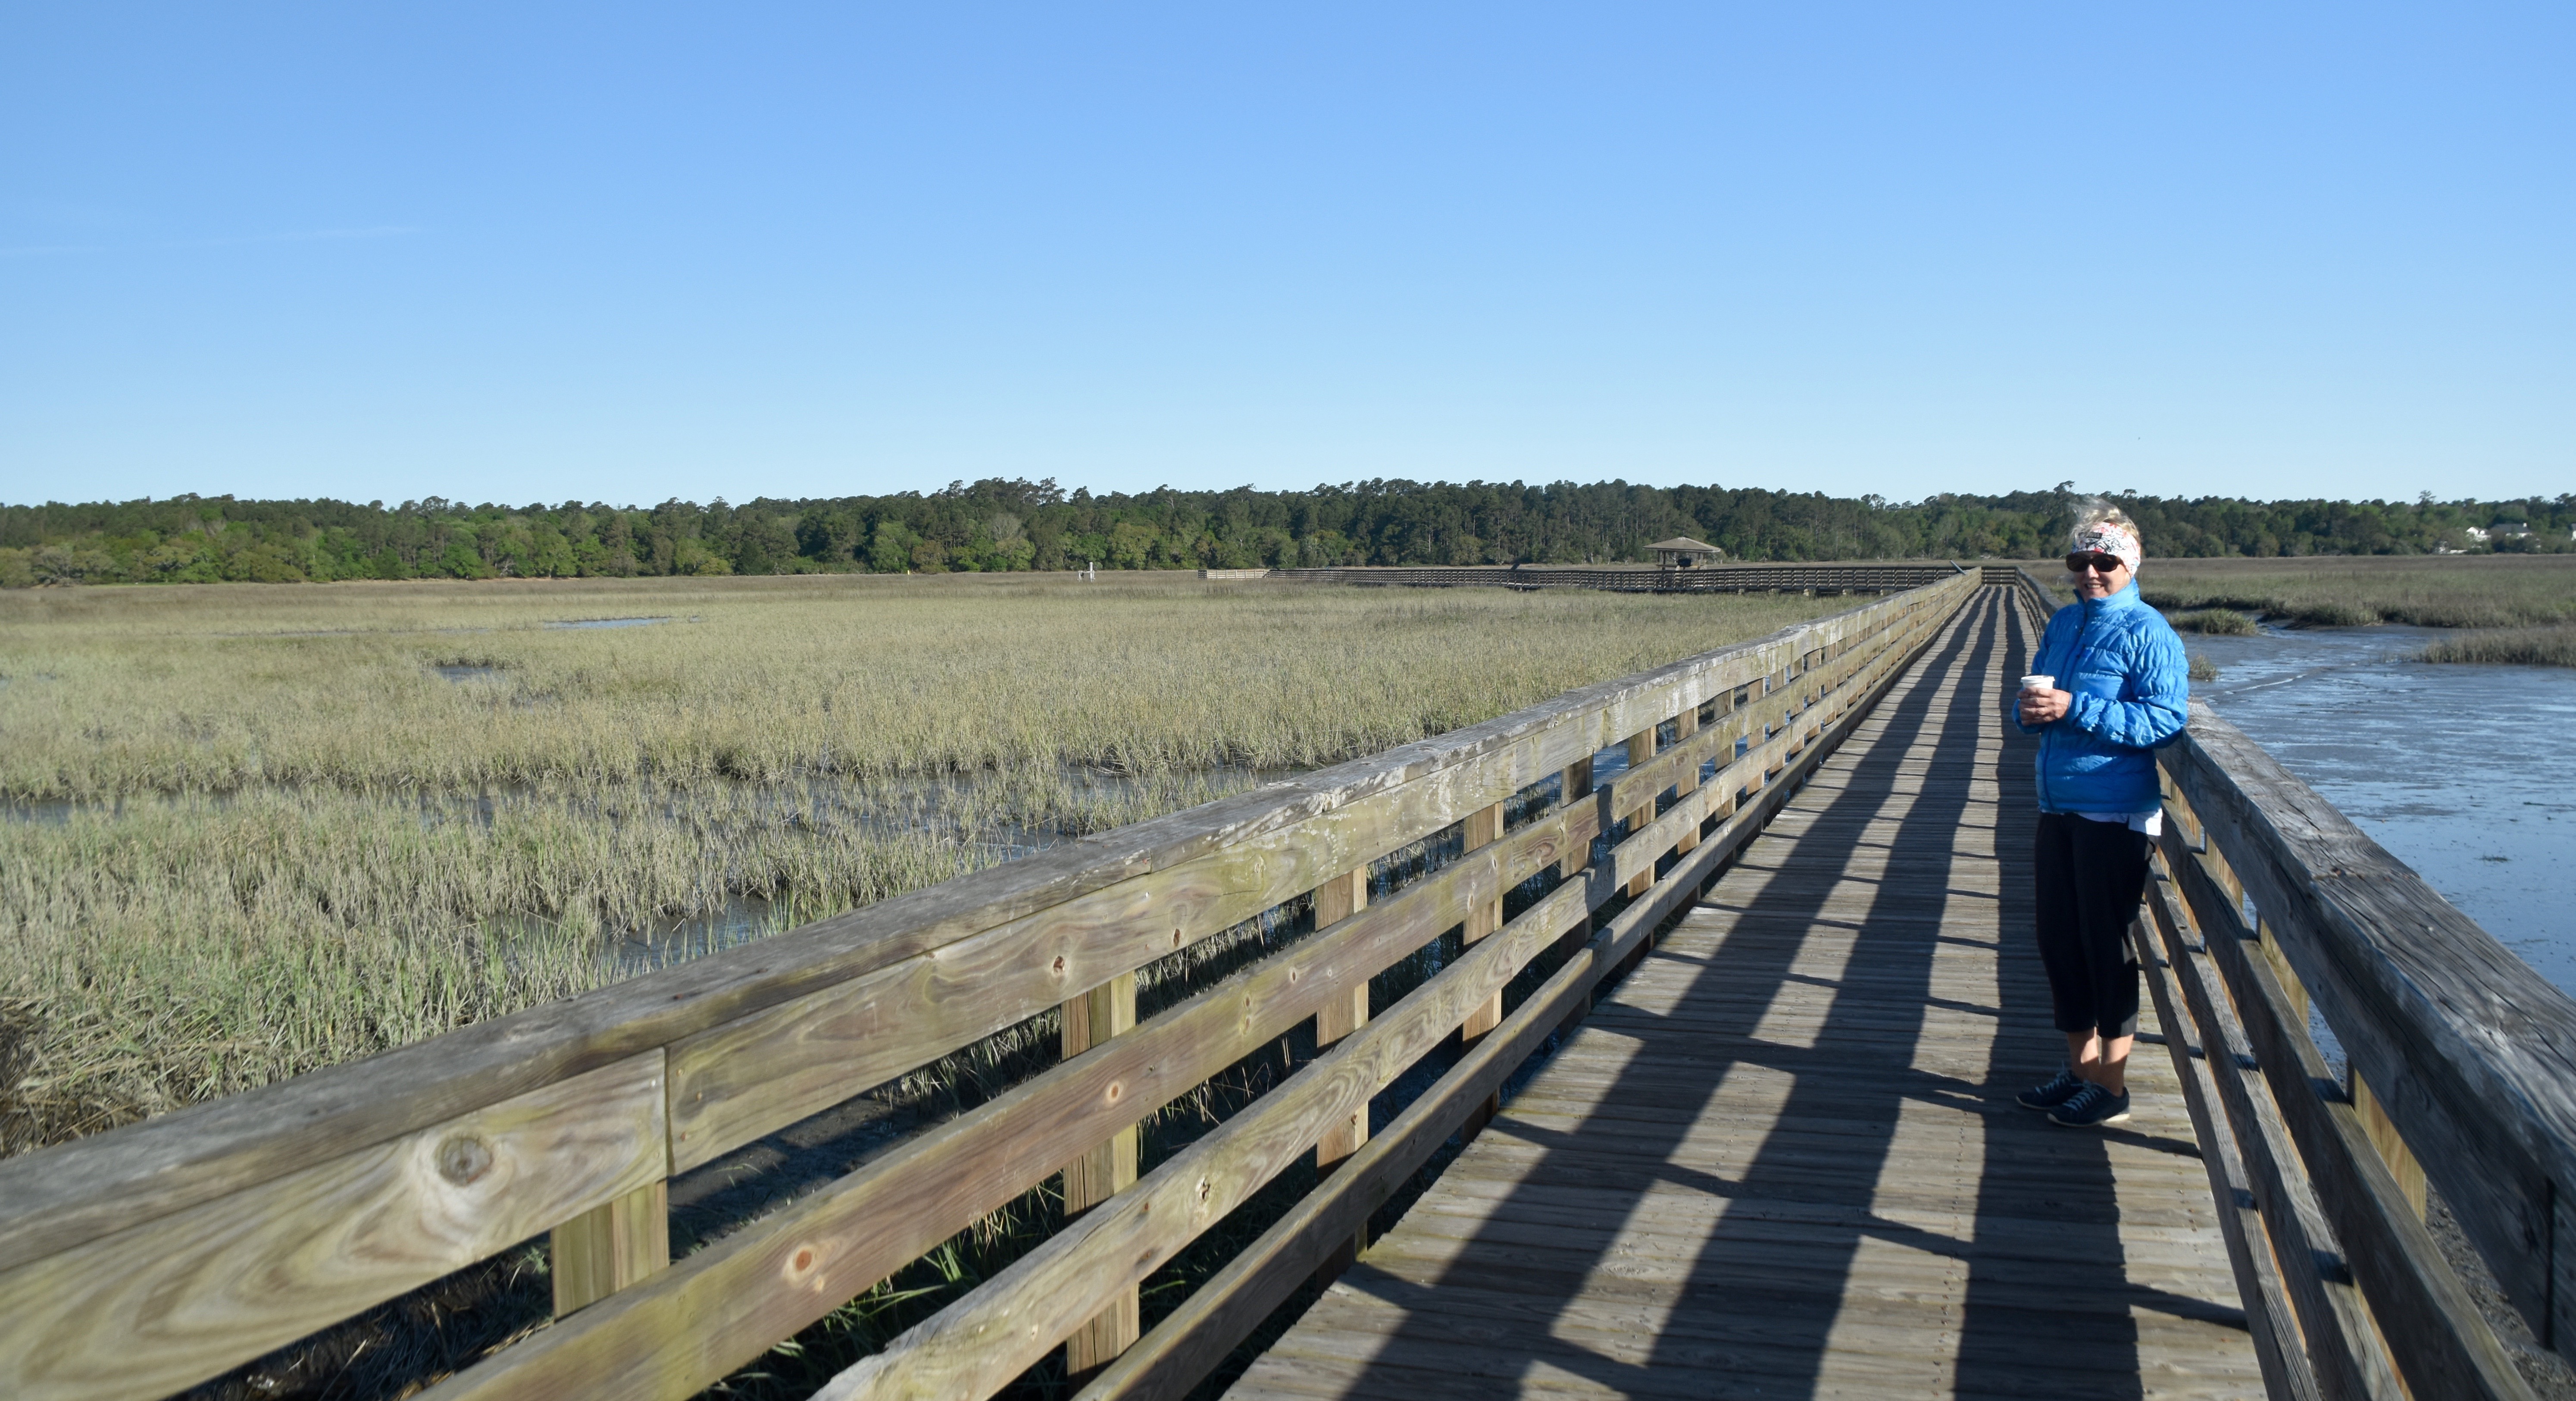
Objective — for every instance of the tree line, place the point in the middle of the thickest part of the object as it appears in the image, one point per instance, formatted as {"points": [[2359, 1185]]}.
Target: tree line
{"points": [[999, 524]]}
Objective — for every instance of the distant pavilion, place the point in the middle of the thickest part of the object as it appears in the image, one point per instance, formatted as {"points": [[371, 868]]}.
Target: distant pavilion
{"points": [[1683, 552]]}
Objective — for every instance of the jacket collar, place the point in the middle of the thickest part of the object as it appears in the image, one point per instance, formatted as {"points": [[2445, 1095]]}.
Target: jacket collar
{"points": [[2126, 598]]}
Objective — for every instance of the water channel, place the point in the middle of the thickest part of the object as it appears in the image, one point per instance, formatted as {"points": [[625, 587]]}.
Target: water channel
{"points": [[2463, 772]]}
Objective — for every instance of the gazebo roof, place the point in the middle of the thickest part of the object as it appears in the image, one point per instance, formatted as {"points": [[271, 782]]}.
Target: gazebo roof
{"points": [[1684, 542]]}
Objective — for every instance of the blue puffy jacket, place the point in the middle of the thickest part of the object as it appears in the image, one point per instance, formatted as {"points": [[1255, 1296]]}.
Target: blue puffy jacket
{"points": [[2132, 686]]}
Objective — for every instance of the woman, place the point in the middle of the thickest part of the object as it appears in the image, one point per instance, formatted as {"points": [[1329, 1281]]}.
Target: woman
{"points": [[2116, 685]]}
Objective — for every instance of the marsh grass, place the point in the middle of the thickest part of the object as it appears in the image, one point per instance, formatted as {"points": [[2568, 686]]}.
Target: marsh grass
{"points": [[2478, 591], [259, 830], [115, 691], [2214, 622], [2554, 646]]}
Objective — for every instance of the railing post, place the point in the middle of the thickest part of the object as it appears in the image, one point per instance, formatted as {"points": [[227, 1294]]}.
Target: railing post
{"points": [[1641, 747], [1484, 828], [2383, 1135], [1686, 725], [1337, 900], [1575, 786], [1106, 1011], [611, 1246]]}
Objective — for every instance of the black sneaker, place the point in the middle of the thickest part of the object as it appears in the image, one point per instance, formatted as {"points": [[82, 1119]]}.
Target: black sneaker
{"points": [[2053, 1093], [2091, 1107]]}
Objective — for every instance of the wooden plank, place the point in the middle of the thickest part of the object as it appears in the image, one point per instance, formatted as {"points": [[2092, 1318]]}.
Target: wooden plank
{"points": [[610, 1246], [1686, 727], [2383, 1135], [175, 1300], [1484, 826], [1337, 900], [1090, 1020], [1641, 747]]}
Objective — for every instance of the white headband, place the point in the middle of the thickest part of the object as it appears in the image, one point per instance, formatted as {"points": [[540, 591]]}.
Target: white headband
{"points": [[2108, 538]]}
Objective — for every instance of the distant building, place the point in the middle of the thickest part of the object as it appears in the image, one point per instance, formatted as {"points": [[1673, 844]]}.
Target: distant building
{"points": [[1683, 552], [2513, 530], [2475, 532]]}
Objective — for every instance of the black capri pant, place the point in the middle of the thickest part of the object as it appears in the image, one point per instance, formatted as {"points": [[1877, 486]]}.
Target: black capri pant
{"points": [[2090, 877]]}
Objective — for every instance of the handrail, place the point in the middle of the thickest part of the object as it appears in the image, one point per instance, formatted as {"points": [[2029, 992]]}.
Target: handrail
{"points": [[151, 1257], [2266, 905], [1641, 578], [2038, 602]]}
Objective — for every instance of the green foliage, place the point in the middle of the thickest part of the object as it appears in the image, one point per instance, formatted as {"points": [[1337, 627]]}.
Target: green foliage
{"points": [[2551, 646], [1001, 525], [2217, 622], [2486, 591]]}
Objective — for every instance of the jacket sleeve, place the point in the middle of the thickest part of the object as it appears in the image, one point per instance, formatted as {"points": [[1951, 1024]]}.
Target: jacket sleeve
{"points": [[2161, 695], [2048, 641]]}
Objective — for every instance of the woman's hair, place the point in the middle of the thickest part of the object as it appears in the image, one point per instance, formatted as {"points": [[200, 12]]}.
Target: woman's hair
{"points": [[2100, 512], [2101, 526]]}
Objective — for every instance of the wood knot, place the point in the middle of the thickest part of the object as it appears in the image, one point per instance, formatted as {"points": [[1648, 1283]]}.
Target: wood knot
{"points": [[804, 1260], [463, 1159], [1059, 965], [1116, 1088]]}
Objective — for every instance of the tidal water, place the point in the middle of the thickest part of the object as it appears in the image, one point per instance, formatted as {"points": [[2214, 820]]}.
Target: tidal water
{"points": [[2465, 773]]}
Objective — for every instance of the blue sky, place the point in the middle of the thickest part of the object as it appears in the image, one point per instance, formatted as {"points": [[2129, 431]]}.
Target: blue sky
{"points": [[520, 252]]}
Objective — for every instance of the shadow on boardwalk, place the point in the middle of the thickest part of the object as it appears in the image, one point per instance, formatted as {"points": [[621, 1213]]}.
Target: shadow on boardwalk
{"points": [[1782, 1160]]}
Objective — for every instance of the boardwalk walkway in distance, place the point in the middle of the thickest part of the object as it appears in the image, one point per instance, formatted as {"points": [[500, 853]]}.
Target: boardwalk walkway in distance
{"points": [[1782, 1158]]}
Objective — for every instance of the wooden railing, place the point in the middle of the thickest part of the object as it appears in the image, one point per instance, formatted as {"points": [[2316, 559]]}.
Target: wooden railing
{"points": [[2270, 913], [1644, 578], [2037, 601], [150, 1258]]}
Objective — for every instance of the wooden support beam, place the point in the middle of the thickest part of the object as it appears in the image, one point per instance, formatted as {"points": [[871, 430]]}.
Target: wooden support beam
{"points": [[2383, 1135], [611, 1246], [1336, 900], [1685, 725], [1484, 828], [1106, 1011], [1641, 747], [1575, 786]]}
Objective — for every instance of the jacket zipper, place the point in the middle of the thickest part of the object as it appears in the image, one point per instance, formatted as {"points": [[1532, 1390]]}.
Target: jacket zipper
{"points": [[2048, 736]]}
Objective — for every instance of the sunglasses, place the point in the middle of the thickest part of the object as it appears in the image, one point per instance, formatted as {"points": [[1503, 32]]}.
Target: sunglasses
{"points": [[2099, 564]]}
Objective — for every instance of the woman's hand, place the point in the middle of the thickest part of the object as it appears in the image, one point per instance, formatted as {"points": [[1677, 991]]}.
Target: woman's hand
{"points": [[2043, 707]]}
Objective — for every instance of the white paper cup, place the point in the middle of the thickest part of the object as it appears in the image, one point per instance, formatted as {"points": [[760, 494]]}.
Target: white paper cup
{"points": [[2039, 683]]}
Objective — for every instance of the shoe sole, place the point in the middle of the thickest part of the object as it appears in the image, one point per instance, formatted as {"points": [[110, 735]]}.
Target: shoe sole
{"points": [[2120, 1118]]}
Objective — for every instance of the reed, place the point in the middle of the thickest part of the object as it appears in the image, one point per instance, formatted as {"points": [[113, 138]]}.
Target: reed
{"points": [[2554, 646], [2480, 591], [124, 690], [2215, 622]]}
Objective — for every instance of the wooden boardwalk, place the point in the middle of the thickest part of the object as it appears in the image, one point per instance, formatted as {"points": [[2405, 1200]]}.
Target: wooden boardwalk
{"points": [[1782, 1159]]}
